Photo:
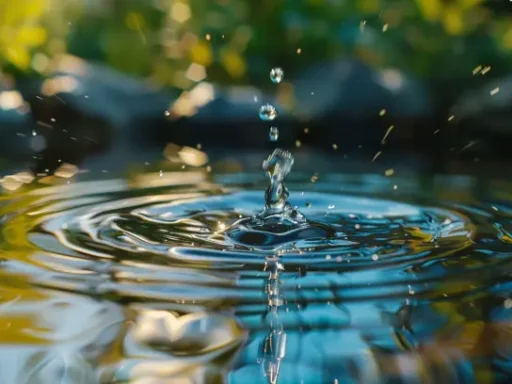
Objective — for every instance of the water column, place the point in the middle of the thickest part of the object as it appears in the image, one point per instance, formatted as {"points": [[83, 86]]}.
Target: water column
{"points": [[273, 348]]}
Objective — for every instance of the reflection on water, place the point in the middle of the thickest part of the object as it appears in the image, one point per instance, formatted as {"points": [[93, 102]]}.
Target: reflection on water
{"points": [[144, 281]]}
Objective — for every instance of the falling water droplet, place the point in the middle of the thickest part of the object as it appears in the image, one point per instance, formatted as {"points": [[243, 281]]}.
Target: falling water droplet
{"points": [[273, 133], [267, 112], [276, 75]]}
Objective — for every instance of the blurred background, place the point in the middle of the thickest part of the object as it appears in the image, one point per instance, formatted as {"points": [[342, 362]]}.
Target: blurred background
{"points": [[378, 86]]}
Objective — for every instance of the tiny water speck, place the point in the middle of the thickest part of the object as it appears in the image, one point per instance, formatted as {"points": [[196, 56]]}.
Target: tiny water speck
{"points": [[273, 133], [276, 75], [267, 112]]}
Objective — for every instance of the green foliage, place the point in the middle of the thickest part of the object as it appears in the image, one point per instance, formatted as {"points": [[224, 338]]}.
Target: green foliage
{"points": [[238, 40]]}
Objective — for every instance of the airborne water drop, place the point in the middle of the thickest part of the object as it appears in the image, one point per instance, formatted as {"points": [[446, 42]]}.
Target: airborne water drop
{"points": [[273, 133], [267, 112], [276, 75]]}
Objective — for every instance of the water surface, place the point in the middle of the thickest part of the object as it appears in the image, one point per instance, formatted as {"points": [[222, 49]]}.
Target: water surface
{"points": [[156, 279]]}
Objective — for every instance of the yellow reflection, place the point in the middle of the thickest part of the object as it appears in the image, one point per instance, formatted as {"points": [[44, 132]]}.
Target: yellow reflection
{"points": [[171, 152], [66, 171], [10, 183], [18, 321], [193, 157], [10, 100], [168, 178], [189, 102], [202, 94], [183, 106], [59, 84]]}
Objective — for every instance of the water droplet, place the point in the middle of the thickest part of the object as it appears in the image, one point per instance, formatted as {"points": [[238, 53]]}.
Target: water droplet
{"points": [[273, 133], [331, 206], [276, 75], [267, 112], [375, 257]]}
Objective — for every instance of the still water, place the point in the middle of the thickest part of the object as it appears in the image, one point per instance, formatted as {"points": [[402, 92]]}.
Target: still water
{"points": [[168, 279]]}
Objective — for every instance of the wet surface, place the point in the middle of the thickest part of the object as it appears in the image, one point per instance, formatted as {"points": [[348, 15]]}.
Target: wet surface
{"points": [[150, 280]]}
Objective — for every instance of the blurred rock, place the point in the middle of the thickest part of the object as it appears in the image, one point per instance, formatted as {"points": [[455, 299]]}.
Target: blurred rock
{"points": [[481, 119], [82, 109], [85, 109], [15, 127], [348, 103]]}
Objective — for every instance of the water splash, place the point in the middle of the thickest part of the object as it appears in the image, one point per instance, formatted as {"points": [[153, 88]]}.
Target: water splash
{"points": [[278, 166]]}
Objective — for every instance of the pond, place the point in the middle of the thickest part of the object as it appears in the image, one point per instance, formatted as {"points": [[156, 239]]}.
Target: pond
{"points": [[145, 279]]}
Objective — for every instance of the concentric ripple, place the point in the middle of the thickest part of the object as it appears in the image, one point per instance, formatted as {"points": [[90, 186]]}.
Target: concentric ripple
{"points": [[373, 287]]}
